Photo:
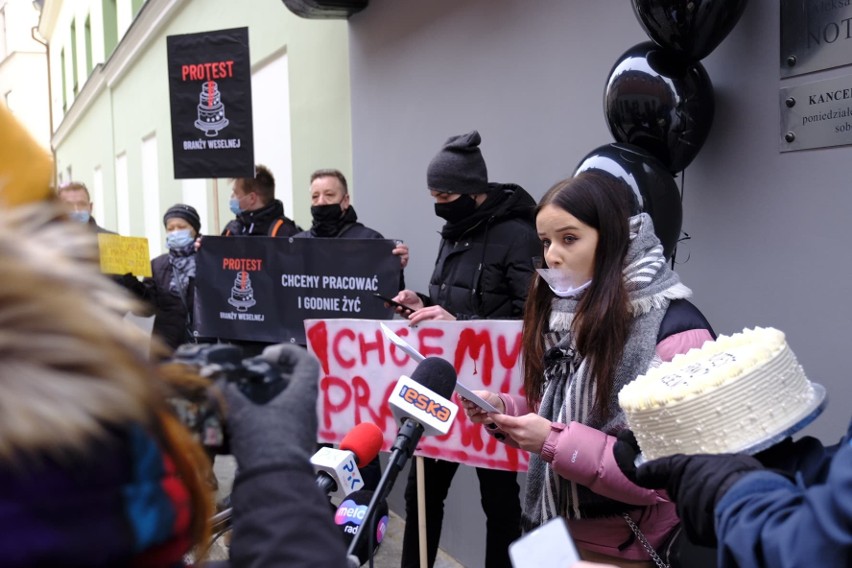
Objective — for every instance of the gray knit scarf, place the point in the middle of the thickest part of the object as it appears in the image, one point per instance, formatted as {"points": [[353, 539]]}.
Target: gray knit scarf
{"points": [[569, 392], [182, 261]]}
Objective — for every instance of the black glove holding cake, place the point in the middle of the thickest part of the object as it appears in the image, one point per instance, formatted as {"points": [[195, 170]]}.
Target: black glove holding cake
{"points": [[695, 483]]}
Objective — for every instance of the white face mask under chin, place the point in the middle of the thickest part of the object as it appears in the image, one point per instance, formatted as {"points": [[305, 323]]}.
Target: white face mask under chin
{"points": [[561, 283]]}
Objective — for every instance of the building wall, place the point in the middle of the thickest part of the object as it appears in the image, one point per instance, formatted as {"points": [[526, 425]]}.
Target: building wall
{"points": [[23, 68], [769, 243], [129, 105]]}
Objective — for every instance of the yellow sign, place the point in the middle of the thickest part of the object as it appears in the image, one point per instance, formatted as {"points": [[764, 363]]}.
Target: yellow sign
{"points": [[120, 255]]}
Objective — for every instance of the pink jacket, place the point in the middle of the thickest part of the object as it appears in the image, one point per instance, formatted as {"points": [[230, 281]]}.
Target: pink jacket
{"points": [[583, 454]]}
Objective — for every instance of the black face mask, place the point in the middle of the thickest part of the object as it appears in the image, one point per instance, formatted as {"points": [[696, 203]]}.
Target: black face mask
{"points": [[326, 219], [456, 210]]}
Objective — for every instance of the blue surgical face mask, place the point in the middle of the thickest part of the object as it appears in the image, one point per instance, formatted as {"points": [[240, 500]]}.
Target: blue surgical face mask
{"points": [[234, 204], [80, 216], [179, 239]]}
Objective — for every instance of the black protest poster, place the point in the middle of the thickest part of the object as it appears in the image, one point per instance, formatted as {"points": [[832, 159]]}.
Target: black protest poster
{"points": [[263, 288], [210, 98]]}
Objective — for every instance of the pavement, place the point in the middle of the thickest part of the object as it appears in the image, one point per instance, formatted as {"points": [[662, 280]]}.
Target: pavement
{"points": [[388, 555]]}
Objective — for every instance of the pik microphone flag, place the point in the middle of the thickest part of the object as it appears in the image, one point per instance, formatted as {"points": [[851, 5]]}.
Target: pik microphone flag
{"points": [[263, 288], [210, 100]]}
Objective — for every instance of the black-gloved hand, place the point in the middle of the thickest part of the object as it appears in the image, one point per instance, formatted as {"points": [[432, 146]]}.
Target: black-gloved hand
{"points": [[695, 482], [131, 283], [625, 450], [285, 428]]}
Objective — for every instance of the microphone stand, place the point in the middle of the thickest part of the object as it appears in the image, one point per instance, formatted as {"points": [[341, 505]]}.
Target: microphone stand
{"points": [[406, 441]]}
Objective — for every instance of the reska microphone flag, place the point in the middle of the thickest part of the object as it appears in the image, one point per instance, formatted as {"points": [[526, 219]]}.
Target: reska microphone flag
{"points": [[210, 98]]}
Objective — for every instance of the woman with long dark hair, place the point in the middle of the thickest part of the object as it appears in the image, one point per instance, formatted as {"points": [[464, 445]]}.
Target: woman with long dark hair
{"points": [[605, 309]]}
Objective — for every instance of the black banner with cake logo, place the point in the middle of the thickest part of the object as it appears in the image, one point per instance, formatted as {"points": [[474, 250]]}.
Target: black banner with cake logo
{"points": [[263, 288], [210, 98]]}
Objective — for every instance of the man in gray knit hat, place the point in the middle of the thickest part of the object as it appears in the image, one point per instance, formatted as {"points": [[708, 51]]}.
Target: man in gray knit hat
{"points": [[483, 270]]}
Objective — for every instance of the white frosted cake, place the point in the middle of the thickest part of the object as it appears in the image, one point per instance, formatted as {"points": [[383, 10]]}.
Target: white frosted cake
{"points": [[728, 396]]}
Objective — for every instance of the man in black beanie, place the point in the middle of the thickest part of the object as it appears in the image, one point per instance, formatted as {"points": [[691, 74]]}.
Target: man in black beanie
{"points": [[483, 270]]}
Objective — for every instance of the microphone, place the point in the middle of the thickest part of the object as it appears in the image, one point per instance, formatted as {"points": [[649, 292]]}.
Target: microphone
{"points": [[351, 516], [337, 469], [420, 405], [424, 398]]}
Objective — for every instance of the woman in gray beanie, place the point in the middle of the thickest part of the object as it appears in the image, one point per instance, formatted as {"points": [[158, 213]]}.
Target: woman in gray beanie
{"points": [[170, 291]]}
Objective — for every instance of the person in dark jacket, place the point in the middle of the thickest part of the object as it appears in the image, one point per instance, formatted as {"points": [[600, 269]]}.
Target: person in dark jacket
{"points": [[258, 214], [170, 291], [787, 506], [257, 211], [334, 216], [483, 270], [77, 200]]}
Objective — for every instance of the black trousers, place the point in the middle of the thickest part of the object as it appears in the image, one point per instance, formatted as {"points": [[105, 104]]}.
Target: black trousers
{"points": [[499, 493]]}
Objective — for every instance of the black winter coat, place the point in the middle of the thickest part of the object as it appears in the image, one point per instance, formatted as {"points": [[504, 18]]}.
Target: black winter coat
{"points": [[485, 273], [172, 314], [268, 221], [350, 228], [349, 231]]}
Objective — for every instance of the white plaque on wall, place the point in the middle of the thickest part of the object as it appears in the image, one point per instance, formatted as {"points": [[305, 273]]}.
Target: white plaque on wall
{"points": [[816, 115]]}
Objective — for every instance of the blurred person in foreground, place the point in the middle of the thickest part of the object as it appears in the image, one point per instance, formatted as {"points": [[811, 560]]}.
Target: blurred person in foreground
{"points": [[95, 470]]}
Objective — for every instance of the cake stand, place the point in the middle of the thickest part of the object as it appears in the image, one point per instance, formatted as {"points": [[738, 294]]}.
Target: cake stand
{"points": [[805, 417]]}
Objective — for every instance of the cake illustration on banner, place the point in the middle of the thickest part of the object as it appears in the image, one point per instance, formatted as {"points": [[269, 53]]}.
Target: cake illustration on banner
{"points": [[242, 294], [211, 110], [740, 393]]}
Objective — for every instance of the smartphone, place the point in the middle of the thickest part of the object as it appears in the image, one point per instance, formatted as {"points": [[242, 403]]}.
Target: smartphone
{"points": [[548, 546], [394, 303], [475, 398]]}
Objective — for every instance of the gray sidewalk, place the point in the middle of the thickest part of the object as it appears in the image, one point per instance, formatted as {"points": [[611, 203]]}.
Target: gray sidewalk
{"points": [[388, 555]]}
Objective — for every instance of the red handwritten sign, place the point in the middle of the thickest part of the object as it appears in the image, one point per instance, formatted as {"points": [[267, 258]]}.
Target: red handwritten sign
{"points": [[360, 367]]}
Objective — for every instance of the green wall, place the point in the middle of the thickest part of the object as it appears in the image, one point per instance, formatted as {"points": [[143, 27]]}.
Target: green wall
{"points": [[137, 105]]}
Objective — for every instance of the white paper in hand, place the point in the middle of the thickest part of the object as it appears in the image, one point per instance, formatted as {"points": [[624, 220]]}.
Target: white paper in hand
{"points": [[475, 399], [414, 354], [548, 546]]}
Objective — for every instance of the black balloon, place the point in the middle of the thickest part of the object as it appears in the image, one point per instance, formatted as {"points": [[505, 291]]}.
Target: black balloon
{"points": [[693, 28], [661, 103], [654, 188]]}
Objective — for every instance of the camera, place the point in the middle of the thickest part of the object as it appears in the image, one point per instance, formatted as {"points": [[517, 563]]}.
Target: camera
{"points": [[199, 408], [257, 378]]}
